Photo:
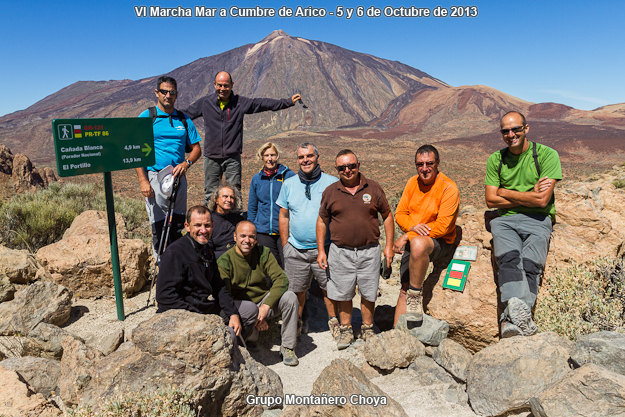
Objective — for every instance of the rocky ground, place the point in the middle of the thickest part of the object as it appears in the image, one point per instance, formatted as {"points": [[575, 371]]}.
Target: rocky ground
{"points": [[96, 321]]}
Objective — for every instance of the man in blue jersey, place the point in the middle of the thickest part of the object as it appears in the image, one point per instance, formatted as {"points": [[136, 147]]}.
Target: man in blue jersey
{"points": [[171, 136], [299, 201]]}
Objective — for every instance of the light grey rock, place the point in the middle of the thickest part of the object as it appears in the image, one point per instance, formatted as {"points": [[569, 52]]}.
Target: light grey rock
{"points": [[46, 341], [109, 342], [19, 265], [453, 357], [40, 302], [431, 331], [504, 376], [177, 348], [602, 348], [589, 391], [427, 372], [392, 349], [42, 375], [7, 289], [342, 378]]}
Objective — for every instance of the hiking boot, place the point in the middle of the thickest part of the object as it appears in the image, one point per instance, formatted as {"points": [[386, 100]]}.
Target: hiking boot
{"points": [[288, 356], [521, 316], [510, 330], [367, 332], [346, 337], [334, 326], [414, 305]]}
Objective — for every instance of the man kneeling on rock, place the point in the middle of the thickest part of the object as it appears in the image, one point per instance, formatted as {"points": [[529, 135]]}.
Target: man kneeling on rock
{"points": [[259, 286], [188, 278]]}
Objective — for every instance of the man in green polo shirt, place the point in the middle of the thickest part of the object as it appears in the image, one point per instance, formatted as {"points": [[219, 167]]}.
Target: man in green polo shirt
{"points": [[520, 180], [259, 288]]}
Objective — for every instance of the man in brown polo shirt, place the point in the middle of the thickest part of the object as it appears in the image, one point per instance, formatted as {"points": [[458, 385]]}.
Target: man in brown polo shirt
{"points": [[350, 207]]}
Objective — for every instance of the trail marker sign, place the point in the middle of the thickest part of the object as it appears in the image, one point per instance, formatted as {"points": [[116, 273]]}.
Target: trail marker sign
{"points": [[88, 146]]}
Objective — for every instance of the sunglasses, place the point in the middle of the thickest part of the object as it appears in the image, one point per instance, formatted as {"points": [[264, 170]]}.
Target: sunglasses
{"points": [[342, 168], [517, 129], [165, 92], [428, 164]]}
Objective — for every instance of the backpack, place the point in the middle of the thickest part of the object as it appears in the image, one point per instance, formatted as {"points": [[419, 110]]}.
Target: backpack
{"points": [[504, 151], [180, 116]]}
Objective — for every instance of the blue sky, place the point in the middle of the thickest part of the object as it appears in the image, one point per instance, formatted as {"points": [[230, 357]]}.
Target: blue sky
{"points": [[569, 52]]}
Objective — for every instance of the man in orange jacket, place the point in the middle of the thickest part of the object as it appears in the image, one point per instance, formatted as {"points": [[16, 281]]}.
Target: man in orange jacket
{"points": [[427, 213]]}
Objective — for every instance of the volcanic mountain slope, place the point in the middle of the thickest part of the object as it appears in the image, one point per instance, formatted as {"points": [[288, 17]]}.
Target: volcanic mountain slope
{"points": [[339, 86], [467, 111]]}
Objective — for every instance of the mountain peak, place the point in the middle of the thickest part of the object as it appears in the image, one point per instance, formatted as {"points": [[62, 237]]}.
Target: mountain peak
{"points": [[276, 34]]}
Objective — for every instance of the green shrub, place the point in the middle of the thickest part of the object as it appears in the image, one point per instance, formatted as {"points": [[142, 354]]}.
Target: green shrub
{"points": [[168, 402], [619, 183], [31, 221], [584, 299]]}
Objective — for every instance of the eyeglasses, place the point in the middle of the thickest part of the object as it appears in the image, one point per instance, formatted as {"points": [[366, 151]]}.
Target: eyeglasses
{"points": [[428, 164], [342, 168], [516, 130], [165, 92]]}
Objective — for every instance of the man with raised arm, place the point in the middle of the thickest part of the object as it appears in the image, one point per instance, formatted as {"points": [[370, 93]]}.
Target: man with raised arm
{"points": [[223, 114]]}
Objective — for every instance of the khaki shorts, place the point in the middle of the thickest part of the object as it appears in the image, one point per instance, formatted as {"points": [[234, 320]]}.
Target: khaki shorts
{"points": [[351, 266], [301, 266]]}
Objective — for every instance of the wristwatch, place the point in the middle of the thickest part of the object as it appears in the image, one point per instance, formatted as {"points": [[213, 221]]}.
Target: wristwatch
{"points": [[188, 161]]}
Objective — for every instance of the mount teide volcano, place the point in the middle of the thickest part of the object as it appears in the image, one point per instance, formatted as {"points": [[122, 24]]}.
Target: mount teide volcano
{"points": [[342, 88], [339, 86]]}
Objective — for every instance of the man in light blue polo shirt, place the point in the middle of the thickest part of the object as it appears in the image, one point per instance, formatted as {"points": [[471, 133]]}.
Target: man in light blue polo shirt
{"points": [[299, 201], [171, 137]]}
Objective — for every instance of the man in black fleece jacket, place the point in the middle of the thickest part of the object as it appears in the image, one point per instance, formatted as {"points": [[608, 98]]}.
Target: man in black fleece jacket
{"points": [[188, 277], [223, 114]]}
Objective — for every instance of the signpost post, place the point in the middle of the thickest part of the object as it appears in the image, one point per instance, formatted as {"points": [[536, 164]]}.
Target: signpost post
{"points": [[88, 146]]}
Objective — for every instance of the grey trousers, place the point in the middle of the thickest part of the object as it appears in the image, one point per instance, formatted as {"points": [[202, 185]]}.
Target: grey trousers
{"points": [[287, 306], [521, 244], [214, 168]]}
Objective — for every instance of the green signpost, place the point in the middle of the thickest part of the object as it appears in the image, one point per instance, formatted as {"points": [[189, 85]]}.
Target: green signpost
{"points": [[88, 146]]}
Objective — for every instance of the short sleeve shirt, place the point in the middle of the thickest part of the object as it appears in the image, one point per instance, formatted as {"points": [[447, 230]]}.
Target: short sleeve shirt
{"points": [[353, 219], [170, 139], [518, 172], [302, 211]]}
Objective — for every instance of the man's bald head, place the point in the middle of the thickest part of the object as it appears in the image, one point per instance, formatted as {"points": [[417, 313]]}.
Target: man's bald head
{"points": [[245, 237], [223, 85]]}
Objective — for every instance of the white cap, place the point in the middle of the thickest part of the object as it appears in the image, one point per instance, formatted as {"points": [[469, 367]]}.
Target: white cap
{"points": [[166, 180]]}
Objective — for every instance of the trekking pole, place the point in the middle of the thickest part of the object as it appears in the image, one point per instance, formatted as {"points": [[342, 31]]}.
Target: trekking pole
{"points": [[162, 244]]}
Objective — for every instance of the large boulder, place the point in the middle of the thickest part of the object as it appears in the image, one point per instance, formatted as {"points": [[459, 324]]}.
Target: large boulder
{"points": [[189, 351], [503, 377], [602, 348], [94, 222], [41, 302], [343, 381], [18, 400], [454, 358], [590, 391], [6, 160], [392, 349], [40, 374], [24, 177], [18, 265], [82, 263]]}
